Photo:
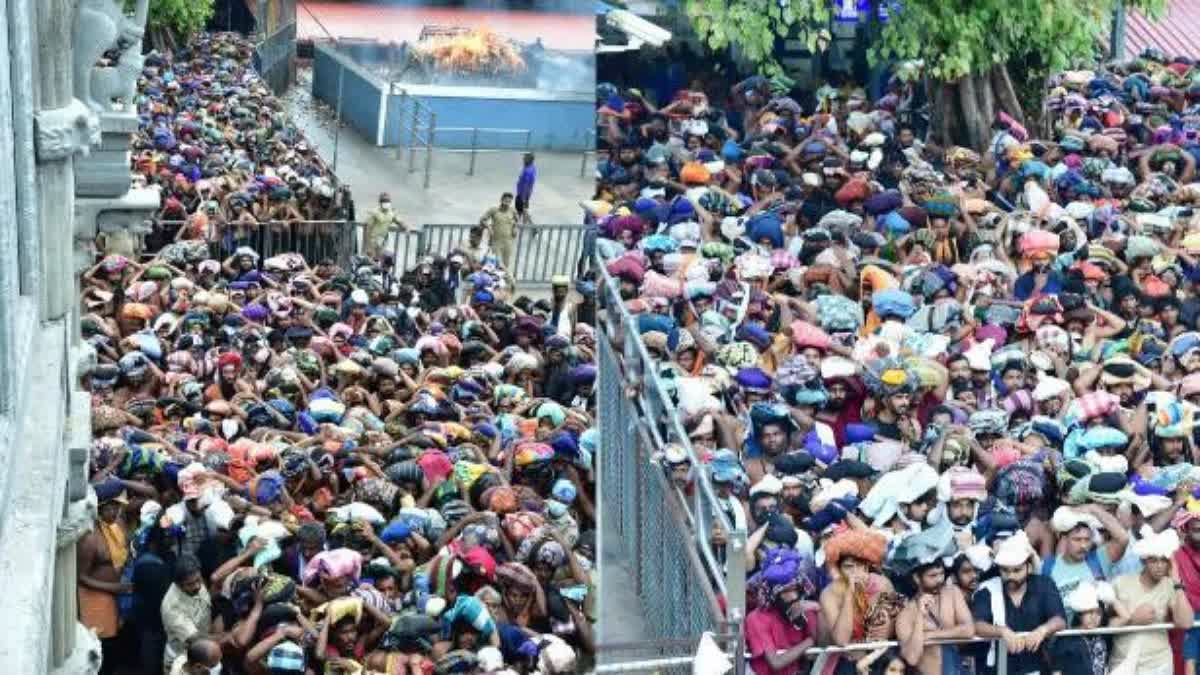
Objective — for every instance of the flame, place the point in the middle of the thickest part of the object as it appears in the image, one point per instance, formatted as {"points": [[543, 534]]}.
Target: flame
{"points": [[477, 50]]}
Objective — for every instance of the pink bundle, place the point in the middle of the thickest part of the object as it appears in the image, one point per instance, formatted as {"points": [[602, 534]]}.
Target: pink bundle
{"points": [[805, 335], [628, 267], [656, 285], [519, 525], [1096, 404], [1035, 242], [339, 563]]}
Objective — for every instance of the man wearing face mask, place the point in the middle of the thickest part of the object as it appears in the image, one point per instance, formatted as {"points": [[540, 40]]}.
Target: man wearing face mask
{"points": [[379, 222]]}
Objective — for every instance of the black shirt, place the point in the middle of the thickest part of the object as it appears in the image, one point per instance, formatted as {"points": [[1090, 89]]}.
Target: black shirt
{"points": [[1041, 603], [152, 578]]}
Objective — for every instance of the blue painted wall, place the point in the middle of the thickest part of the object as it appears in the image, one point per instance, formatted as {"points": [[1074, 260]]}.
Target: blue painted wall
{"points": [[360, 96], [555, 125]]}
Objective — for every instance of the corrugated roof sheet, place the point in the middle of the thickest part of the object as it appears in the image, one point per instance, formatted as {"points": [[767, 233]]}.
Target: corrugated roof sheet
{"points": [[1177, 33]]}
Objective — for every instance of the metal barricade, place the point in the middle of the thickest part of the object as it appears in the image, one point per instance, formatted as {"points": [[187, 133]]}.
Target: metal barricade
{"points": [[539, 252], [659, 656], [475, 148], [316, 240], [407, 248], [686, 585], [822, 654], [588, 152], [418, 126]]}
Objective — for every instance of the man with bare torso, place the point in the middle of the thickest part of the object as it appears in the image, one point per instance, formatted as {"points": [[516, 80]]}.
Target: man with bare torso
{"points": [[936, 611], [100, 556]]}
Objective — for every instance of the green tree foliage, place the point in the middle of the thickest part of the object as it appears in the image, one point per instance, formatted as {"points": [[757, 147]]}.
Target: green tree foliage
{"points": [[753, 26], [953, 37], [966, 45], [181, 18], [956, 39]]}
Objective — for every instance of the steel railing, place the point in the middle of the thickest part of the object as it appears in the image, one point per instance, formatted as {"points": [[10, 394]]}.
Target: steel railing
{"points": [[540, 252], [659, 656], [822, 654], [679, 575], [587, 152], [419, 132], [474, 150], [314, 239]]}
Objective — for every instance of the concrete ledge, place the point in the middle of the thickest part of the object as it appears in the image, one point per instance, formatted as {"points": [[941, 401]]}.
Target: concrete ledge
{"points": [[33, 508]]}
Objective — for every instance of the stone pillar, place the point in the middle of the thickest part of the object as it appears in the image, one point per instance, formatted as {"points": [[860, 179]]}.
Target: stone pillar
{"points": [[64, 128], [73, 649]]}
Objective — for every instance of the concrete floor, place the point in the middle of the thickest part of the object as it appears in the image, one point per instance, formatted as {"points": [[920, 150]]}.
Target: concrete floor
{"points": [[621, 616], [452, 196]]}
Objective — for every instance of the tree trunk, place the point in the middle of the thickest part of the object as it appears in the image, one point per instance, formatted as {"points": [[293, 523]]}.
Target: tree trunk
{"points": [[943, 112], [974, 124], [962, 111], [1006, 94], [987, 106]]}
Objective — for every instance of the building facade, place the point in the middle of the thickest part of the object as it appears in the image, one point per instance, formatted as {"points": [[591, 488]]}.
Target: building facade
{"points": [[64, 177]]}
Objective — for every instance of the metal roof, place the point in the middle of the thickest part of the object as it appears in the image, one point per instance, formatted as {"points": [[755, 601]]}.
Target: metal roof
{"points": [[1177, 33]]}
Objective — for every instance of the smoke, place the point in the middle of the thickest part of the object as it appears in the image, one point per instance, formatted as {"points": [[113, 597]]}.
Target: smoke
{"points": [[566, 72]]}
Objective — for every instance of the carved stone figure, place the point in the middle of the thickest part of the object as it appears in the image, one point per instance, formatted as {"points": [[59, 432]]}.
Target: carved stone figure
{"points": [[65, 131], [102, 27]]}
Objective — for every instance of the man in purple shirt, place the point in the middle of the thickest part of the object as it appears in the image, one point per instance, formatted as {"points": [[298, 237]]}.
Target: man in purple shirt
{"points": [[525, 187]]}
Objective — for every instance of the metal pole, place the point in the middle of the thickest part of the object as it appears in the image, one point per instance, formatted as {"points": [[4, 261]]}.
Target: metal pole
{"points": [[412, 147], [528, 138], [429, 146], [474, 144], [1117, 39], [337, 130], [400, 125]]}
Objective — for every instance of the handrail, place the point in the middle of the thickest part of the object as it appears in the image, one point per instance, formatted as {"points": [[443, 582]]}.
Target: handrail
{"points": [[659, 423], [659, 410], [823, 653], [157, 221], [475, 149]]}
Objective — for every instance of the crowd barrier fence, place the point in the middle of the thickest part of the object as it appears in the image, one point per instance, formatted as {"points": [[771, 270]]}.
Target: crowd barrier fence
{"points": [[686, 584], [315, 239], [540, 251], [822, 654]]}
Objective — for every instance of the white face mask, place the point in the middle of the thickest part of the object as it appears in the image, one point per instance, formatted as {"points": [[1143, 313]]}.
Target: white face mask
{"points": [[386, 206], [215, 670], [229, 427]]}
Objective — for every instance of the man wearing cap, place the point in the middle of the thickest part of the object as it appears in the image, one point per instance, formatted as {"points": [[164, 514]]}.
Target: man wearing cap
{"points": [[561, 305], [100, 557], [379, 224], [501, 224], [1022, 608]]}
